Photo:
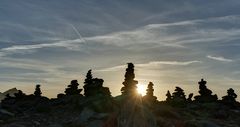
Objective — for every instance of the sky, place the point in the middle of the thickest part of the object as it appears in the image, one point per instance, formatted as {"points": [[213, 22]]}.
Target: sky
{"points": [[171, 42]]}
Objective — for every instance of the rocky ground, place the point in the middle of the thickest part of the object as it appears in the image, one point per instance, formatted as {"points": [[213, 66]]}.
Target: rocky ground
{"points": [[78, 111]]}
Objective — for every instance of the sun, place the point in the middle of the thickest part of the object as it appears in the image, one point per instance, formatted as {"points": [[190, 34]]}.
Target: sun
{"points": [[141, 89]]}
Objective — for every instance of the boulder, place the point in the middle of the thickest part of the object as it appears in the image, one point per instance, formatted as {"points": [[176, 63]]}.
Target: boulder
{"points": [[221, 114], [203, 123], [4, 114], [86, 114], [55, 125], [11, 92], [95, 123]]}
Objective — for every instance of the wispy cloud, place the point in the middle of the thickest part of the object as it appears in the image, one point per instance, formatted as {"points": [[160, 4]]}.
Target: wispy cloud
{"points": [[173, 34], [36, 69], [177, 63], [69, 44], [162, 37], [165, 34], [116, 68], [219, 58], [152, 64], [28, 64]]}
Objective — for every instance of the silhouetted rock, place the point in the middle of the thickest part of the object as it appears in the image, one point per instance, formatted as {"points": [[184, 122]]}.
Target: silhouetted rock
{"points": [[28, 103], [179, 94], [205, 93], [19, 95], [130, 85], [149, 97], [61, 95], [73, 88], [178, 97], [169, 96], [11, 93], [99, 109], [94, 86], [189, 99], [88, 84], [98, 89], [38, 92], [230, 98]]}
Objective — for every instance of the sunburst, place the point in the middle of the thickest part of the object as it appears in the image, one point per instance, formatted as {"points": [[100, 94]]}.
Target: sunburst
{"points": [[141, 89]]}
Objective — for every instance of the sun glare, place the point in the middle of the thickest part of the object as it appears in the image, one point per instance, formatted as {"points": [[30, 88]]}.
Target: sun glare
{"points": [[141, 89]]}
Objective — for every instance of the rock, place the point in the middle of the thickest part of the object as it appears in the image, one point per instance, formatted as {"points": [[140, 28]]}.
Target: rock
{"points": [[135, 114], [167, 113], [15, 125], [11, 92], [195, 123], [209, 124], [221, 114], [100, 116], [86, 114], [55, 125], [95, 123], [236, 111], [36, 123], [4, 114], [2, 111]]}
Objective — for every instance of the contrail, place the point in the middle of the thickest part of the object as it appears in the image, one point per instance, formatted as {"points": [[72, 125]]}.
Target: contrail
{"points": [[77, 32], [8, 42]]}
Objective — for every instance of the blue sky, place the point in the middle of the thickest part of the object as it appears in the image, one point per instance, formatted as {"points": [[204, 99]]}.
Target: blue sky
{"points": [[172, 43]]}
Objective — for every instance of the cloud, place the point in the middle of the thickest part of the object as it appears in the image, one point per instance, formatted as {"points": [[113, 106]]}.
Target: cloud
{"points": [[177, 63], [116, 32], [43, 45], [228, 18], [69, 44], [174, 34], [28, 64], [116, 68], [151, 64], [219, 58], [170, 35], [35, 70]]}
